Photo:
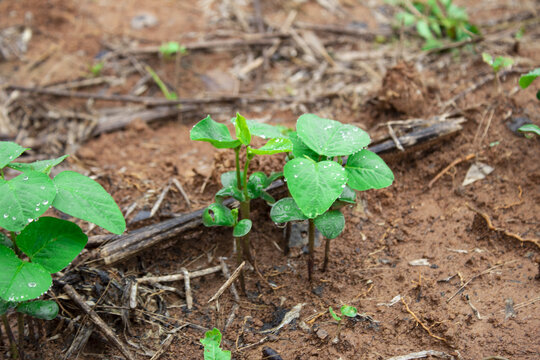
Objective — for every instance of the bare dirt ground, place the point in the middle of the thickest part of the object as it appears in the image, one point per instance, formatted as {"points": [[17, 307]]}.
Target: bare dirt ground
{"points": [[476, 294]]}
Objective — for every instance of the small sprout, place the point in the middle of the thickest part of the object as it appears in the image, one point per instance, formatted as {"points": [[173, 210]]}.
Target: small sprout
{"points": [[172, 48], [529, 129], [346, 310], [95, 69], [211, 343], [498, 63], [169, 95]]}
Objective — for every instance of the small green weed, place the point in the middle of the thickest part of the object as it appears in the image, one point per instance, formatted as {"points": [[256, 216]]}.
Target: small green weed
{"points": [[346, 310], [172, 48], [211, 343]]}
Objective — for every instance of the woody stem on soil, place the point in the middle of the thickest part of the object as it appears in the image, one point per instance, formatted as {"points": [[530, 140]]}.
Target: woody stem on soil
{"points": [[326, 254], [11, 338], [311, 247]]}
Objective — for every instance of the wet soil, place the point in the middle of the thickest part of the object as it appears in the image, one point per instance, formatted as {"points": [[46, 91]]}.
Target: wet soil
{"points": [[475, 294]]}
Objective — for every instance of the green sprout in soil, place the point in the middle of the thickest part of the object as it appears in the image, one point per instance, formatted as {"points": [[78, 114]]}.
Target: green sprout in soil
{"points": [[497, 64], [172, 48], [436, 20], [169, 95], [346, 310], [96, 69], [237, 184], [318, 181], [211, 343], [38, 247]]}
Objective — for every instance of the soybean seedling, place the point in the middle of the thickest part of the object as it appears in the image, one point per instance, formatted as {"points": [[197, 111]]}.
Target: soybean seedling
{"points": [[318, 181], [237, 184], [497, 64], [346, 310], [211, 343], [38, 247], [172, 48]]}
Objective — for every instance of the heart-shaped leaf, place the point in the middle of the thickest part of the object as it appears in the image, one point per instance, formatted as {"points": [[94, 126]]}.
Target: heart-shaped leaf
{"points": [[348, 195], [24, 198], [301, 150], [273, 146], [9, 151], [43, 166], [349, 311], [242, 129], [265, 131], [286, 210], [256, 184], [229, 178], [213, 132], [218, 215], [84, 198], [242, 228], [314, 186], [329, 137], [330, 224], [40, 309], [21, 280], [52, 243], [229, 191], [368, 171], [211, 343]]}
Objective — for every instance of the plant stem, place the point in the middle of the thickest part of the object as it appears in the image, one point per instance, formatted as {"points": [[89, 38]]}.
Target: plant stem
{"points": [[311, 247], [15, 247], [239, 241], [13, 345], [326, 254], [338, 329], [286, 239], [239, 260], [237, 162], [20, 326], [245, 212]]}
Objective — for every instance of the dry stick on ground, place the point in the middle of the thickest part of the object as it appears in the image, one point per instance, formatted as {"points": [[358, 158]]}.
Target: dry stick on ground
{"points": [[501, 230], [159, 200], [452, 164], [96, 319], [177, 277], [187, 287], [422, 354], [181, 189], [228, 282], [462, 287], [421, 323]]}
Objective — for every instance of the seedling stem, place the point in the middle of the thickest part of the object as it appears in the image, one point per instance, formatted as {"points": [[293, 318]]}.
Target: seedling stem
{"points": [[311, 247]]}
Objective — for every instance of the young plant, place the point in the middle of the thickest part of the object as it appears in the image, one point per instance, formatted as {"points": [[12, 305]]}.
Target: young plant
{"points": [[346, 310], [497, 64], [318, 181], [169, 95], [211, 343], [172, 48], [526, 79], [38, 247], [237, 184], [436, 20]]}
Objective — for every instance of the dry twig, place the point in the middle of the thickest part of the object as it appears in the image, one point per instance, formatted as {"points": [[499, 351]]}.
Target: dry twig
{"points": [[421, 323], [452, 164], [228, 282]]}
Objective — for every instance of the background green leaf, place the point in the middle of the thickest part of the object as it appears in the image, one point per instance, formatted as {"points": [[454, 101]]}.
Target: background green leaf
{"points": [[9, 151], [286, 210], [21, 280], [84, 198], [300, 149], [329, 137], [213, 132], [242, 228], [52, 243], [24, 198], [367, 170], [314, 186], [40, 309], [263, 130], [43, 166], [218, 215], [330, 224], [526, 79]]}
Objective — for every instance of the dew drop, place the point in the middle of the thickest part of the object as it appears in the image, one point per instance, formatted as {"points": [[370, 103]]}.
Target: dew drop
{"points": [[343, 186], [42, 187], [32, 284], [25, 178], [37, 209], [45, 202], [6, 216], [376, 166], [295, 176], [30, 220], [13, 218]]}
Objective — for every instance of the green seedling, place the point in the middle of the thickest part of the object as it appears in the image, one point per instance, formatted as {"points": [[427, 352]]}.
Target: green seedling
{"points": [[172, 48], [40, 246], [318, 181], [530, 129], [95, 69], [346, 310], [497, 64], [436, 20], [527, 79], [211, 343], [237, 184], [169, 95]]}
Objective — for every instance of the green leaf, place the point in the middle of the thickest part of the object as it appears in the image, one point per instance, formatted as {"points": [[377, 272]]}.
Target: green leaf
{"points": [[349, 311], [273, 177], [52, 243], [286, 210], [211, 343], [330, 224], [40, 309], [229, 191], [502, 62], [530, 128], [526, 79], [301, 150], [218, 215], [314, 186], [423, 29], [334, 315], [267, 197], [6, 241], [24, 198], [84, 198], [213, 132], [405, 18], [229, 178], [348, 195], [432, 44], [329, 137], [256, 184], [21, 280], [9, 151], [273, 146], [242, 228], [242, 130], [265, 131], [171, 48], [4, 306], [43, 166], [367, 170]]}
